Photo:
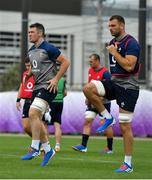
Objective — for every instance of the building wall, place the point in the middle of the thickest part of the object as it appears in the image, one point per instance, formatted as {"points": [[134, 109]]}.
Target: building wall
{"points": [[71, 7], [55, 24], [84, 31]]}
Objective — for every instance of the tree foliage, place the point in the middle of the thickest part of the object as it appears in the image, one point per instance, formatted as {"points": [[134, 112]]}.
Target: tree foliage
{"points": [[10, 81]]}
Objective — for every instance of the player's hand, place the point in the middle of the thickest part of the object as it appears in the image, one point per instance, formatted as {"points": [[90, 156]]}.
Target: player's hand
{"points": [[52, 85], [112, 49], [18, 106]]}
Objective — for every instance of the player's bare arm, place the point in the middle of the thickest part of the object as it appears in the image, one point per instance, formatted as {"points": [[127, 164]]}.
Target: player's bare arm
{"points": [[64, 64], [128, 62], [18, 103]]}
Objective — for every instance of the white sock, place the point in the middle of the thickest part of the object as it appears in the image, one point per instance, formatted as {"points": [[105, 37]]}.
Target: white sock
{"points": [[106, 114], [35, 144], [57, 144], [46, 147], [127, 160]]}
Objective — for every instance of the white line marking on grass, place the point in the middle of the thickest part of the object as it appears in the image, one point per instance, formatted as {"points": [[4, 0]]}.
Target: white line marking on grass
{"points": [[86, 159], [65, 158], [8, 155]]}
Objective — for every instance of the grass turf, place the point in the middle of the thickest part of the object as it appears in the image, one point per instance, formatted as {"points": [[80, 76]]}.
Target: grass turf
{"points": [[69, 164]]}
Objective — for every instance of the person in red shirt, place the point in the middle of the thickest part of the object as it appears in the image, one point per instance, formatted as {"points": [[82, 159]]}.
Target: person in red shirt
{"points": [[25, 92], [96, 72]]}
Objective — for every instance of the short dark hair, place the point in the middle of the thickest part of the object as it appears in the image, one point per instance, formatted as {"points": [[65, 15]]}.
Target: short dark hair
{"points": [[39, 26], [118, 17], [96, 56], [27, 60]]}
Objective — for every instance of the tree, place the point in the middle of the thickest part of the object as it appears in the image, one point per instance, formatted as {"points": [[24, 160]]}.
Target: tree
{"points": [[10, 81]]}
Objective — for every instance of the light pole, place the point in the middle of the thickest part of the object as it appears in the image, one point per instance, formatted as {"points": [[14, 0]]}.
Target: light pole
{"points": [[142, 39], [99, 27], [100, 46], [24, 37]]}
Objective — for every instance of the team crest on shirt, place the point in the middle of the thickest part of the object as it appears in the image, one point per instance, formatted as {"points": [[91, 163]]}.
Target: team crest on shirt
{"points": [[39, 94], [119, 49], [122, 104], [41, 54]]}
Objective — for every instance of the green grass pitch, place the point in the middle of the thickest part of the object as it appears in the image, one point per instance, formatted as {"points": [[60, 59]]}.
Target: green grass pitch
{"points": [[69, 164]]}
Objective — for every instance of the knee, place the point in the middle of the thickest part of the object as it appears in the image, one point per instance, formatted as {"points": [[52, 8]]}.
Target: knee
{"points": [[26, 127], [88, 122], [57, 125], [125, 127], [33, 115], [87, 88]]}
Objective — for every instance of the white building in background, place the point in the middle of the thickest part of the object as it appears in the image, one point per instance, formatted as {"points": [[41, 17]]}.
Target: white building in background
{"points": [[75, 35]]}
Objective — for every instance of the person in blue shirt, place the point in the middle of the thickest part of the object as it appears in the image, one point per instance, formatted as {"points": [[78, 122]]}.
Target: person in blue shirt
{"points": [[124, 53], [43, 58]]}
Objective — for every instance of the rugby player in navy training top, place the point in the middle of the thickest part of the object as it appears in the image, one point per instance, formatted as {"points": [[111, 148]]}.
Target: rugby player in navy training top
{"points": [[124, 53]]}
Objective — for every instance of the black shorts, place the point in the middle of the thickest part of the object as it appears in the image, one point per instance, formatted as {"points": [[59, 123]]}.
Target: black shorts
{"points": [[44, 94], [56, 112], [26, 108], [125, 98]]}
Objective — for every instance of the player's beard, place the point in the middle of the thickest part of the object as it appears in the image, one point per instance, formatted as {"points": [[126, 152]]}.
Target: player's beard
{"points": [[116, 34]]}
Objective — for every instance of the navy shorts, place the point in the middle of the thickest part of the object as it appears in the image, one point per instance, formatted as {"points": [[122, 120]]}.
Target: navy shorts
{"points": [[44, 94], [125, 98], [26, 108], [56, 112]]}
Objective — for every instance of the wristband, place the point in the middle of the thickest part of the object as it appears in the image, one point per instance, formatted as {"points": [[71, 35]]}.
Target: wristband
{"points": [[18, 99]]}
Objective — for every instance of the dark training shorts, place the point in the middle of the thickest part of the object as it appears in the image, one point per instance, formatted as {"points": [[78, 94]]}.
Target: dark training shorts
{"points": [[56, 112], [44, 94], [26, 108], [125, 98]]}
